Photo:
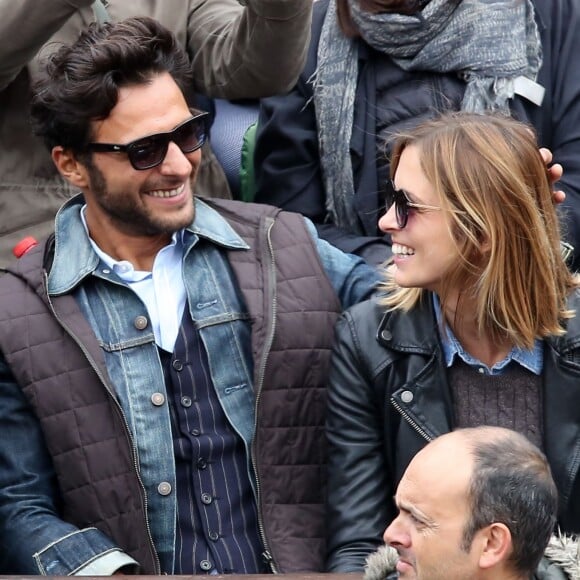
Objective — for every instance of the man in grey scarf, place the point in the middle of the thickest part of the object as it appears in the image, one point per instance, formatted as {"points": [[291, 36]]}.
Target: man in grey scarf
{"points": [[378, 66]]}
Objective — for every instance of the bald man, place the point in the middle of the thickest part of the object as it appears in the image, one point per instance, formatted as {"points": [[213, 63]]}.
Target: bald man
{"points": [[474, 504]]}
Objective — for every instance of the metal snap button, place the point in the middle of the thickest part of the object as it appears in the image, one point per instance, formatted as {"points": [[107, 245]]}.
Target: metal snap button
{"points": [[164, 488], [158, 399], [140, 322], [406, 396], [386, 335]]}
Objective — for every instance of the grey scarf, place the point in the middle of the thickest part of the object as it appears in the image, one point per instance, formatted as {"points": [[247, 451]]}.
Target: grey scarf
{"points": [[489, 43]]}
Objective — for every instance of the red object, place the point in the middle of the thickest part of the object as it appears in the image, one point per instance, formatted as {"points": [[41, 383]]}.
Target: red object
{"points": [[24, 245]]}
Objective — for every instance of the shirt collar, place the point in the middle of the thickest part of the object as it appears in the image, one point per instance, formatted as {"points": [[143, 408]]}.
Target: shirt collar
{"points": [[531, 359], [76, 256]]}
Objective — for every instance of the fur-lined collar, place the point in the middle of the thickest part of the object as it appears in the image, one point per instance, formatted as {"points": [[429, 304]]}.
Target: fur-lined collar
{"points": [[563, 551]]}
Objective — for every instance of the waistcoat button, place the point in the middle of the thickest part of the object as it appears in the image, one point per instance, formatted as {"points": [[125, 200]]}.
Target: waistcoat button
{"points": [[196, 432], [186, 401], [406, 396], [164, 488], [201, 463], [158, 399], [140, 322], [206, 498], [177, 365], [213, 536], [205, 565]]}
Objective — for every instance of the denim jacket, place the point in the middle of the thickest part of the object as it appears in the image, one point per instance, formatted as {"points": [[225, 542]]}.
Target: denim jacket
{"points": [[117, 317]]}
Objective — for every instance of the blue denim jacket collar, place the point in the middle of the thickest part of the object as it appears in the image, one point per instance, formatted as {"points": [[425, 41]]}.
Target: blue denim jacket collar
{"points": [[74, 258]]}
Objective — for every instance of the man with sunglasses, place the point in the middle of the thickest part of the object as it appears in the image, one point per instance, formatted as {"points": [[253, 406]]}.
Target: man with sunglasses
{"points": [[239, 50], [163, 357]]}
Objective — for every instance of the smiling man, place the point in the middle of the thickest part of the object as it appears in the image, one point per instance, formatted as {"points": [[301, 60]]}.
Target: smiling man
{"points": [[160, 354], [475, 504]]}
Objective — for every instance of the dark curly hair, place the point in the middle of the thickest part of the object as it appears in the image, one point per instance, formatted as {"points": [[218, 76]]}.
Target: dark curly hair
{"points": [[81, 82]]}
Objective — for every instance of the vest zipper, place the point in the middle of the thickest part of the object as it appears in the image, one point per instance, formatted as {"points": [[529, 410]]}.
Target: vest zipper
{"points": [[126, 423], [266, 554], [410, 421]]}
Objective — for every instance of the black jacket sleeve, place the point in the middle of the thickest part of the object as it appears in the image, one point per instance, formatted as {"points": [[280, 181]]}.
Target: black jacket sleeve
{"points": [[360, 489]]}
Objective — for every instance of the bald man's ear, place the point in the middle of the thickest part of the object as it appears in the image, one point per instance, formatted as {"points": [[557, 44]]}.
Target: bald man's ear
{"points": [[496, 545], [70, 167]]}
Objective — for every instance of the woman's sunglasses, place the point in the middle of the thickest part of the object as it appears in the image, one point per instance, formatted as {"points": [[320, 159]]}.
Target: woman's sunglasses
{"points": [[150, 151], [403, 206]]}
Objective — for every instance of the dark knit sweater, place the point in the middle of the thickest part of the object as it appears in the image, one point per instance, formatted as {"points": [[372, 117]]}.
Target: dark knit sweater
{"points": [[512, 399]]}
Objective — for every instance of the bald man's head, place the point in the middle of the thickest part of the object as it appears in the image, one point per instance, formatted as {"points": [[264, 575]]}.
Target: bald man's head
{"points": [[474, 503]]}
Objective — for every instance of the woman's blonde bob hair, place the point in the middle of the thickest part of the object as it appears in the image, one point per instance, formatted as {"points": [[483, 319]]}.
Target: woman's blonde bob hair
{"points": [[496, 193]]}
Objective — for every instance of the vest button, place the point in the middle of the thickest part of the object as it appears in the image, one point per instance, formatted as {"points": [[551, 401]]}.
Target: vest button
{"points": [[164, 488], [186, 401], [140, 322], [205, 565], [158, 399], [206, 498], [406, 396], [201, 463], [196, 432], [177, 365], [214, 536]]}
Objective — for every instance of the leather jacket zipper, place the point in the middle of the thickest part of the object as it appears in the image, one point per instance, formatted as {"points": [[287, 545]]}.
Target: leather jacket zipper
{"points": [[410, 421], [124, 417], [266, 554]]}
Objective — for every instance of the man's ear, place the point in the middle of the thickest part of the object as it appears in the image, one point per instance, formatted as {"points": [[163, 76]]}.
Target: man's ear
{"points": [[70, 167], [496, 545]]}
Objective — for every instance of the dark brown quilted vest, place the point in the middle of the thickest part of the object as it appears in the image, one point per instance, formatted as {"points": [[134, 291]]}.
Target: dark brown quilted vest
{"points": [[61, 369]]}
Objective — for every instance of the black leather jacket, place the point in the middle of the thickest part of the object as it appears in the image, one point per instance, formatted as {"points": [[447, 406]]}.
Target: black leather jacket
{"points": [[389, 395]]}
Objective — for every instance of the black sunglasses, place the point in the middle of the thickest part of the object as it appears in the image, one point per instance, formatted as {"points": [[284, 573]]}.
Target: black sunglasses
{"points": [[403, 205], [150, 151]]}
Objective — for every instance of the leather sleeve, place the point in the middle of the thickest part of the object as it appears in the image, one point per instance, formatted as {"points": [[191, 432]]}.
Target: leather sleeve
{"points": [[360, 489]]}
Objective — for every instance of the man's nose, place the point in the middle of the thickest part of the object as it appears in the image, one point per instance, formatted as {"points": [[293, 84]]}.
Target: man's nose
{"points": [[396, 534], [176, 162]]}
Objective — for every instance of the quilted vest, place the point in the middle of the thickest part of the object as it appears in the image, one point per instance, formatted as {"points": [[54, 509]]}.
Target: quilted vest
{"points": [[52, 351]]}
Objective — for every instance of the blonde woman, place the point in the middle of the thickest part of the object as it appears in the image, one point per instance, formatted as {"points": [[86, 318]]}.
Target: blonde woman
{"points": [[477, 326]]}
